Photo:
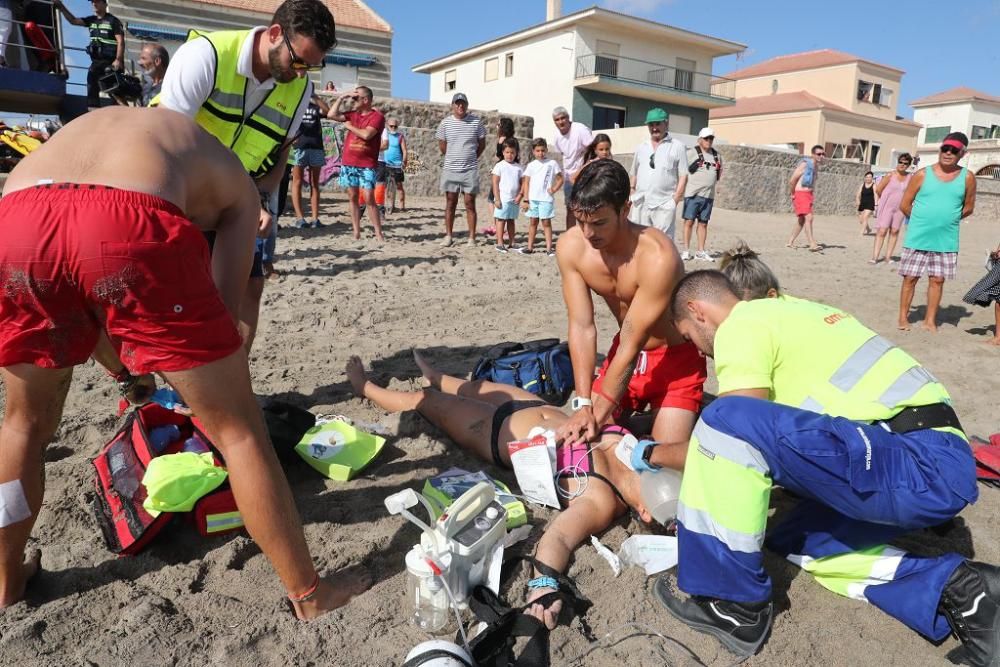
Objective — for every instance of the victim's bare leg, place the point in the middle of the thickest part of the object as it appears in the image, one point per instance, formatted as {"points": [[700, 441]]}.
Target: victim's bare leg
{"points": [[233, 421], [35, 398], [483, 390], [467, 421]]}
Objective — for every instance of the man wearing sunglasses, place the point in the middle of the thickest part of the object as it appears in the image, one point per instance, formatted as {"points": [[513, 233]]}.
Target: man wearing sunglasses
{"points": [[657, 180], [802, 183], [248, 88], [937, 198]]}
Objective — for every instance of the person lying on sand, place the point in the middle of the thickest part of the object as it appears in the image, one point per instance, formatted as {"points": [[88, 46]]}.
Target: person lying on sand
{"points": [[115, 246], [483, 416]]}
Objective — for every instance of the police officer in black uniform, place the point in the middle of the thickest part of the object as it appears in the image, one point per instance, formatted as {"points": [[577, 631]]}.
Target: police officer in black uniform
{"points": [[107, 44]]}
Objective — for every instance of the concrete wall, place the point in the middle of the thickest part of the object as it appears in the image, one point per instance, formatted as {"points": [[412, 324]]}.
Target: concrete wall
{"points": [[987, 201], [419, 122]]}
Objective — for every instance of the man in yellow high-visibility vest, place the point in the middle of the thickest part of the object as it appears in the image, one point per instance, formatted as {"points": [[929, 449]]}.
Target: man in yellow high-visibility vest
{"points": [[862, 432], [249, 89]]}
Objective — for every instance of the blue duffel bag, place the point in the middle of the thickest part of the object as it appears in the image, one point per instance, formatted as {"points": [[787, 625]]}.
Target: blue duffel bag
{"points": [[542, 367]]}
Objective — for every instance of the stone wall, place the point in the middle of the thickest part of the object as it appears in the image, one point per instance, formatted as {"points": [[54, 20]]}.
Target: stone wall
{"points": [[419, 122], [987, 201]]}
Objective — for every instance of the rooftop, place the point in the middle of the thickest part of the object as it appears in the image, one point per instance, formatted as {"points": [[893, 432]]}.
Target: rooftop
{"points": [[786, 103], [799, 61], [957, 94], [352, 13], [607, 18], [778, 103]]}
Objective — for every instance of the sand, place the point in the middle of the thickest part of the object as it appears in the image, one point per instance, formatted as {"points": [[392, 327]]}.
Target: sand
{"points": [[193, 601]]}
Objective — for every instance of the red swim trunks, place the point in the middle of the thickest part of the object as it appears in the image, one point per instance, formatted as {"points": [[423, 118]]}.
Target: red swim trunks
{"points": [[78, 258], [802, 202], [664, 377]]}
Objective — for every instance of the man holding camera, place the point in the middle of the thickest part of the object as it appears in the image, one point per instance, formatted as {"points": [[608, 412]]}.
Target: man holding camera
{"points": [[106, 48], [362, 142]]}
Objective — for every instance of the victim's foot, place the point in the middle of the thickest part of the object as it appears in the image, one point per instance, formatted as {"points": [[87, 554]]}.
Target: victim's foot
{"points": [[994, 341], [431, 374], [357, 376], [334, 593], [32, 564]]}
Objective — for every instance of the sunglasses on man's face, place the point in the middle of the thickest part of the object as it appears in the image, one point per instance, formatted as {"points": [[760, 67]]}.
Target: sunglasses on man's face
{"points": [[393, 127], [652, 161], [819, 154], [951, 149], [297, 63], [904, 162]]}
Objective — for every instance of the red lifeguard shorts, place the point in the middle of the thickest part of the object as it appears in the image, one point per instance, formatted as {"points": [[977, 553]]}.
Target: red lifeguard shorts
{"points": [[78, 258], [802, 202], [664, 377]]}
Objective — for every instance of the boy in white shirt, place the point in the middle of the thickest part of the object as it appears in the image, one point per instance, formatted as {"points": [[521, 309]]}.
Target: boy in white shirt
{"points": [[542, 179], [506, 193]]}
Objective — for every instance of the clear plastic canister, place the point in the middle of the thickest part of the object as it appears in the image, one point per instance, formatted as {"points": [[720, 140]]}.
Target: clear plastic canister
{"points": [[660, 490], [427, 603]]}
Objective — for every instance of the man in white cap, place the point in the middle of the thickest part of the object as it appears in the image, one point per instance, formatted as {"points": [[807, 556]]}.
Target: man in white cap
{"points": [[572, 142], [704, 166]]}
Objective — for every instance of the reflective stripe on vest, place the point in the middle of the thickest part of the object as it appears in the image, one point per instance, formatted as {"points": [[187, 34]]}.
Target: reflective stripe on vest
{"points": [[258, 138], [861, 362], [215, 523]]}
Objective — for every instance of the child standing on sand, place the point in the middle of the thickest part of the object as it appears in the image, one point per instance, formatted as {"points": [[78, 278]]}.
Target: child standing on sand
{"points": [[542, 179], [506, 193]]}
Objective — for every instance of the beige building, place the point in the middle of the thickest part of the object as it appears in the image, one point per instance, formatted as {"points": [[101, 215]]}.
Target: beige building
{"points": [[834, 99], [363, 55], [961, 109]]}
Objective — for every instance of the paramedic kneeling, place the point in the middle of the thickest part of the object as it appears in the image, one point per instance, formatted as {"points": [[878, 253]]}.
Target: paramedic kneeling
{"points": [[116, 245], [863, 433]]}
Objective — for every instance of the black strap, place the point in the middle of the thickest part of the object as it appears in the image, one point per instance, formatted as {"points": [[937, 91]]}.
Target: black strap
{"points": [[494, 646], [935, 415]]}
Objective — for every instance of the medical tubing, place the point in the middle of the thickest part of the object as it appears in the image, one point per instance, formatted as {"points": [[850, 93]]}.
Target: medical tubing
{"points": [[432, 559], [579, 476], [645, 630]]}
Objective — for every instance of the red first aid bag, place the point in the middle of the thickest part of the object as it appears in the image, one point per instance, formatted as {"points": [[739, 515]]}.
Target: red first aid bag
{"points": [[118, 504]]}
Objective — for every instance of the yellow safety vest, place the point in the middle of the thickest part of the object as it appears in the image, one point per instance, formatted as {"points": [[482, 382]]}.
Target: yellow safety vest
{"points": [[257, 139]]}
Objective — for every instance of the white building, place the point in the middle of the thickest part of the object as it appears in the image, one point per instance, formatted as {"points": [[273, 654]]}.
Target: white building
{"points": [[608, 69], [961, 109]]}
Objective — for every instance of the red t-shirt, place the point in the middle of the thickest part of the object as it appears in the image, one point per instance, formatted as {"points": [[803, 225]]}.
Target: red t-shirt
{"points": [[358, 152]]}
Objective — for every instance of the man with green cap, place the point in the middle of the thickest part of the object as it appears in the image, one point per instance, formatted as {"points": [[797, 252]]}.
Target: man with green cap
{"points": [[657, 179]]}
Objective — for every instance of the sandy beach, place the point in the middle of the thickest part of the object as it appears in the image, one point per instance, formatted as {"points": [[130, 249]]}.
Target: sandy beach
{"points": [[193, 601]]}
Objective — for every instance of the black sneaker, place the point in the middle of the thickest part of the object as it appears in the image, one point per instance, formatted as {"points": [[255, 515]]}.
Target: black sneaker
{"points": [[742, 628], [971, 603]]}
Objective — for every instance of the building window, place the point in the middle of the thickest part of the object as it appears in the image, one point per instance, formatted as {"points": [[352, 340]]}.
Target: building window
{"points": [[885, 99], [608, 118], [980, 132], [933, 135], [865, 91], [606, 60], [684, 74], [508, 65], [873, 158], [450, 82], [491, 70], [774, 86]]}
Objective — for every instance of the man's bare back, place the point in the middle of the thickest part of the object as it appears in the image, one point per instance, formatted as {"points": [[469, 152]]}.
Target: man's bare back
{"points": [[616, 277], [155, 151]]}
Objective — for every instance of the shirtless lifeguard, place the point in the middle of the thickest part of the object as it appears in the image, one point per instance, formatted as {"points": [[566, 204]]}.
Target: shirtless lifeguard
{"points": [[634, 269], [101, 232]]}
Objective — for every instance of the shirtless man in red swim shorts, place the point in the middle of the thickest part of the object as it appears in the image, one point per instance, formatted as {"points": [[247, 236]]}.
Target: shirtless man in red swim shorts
{"points": [[634, 269], [101, 231]]}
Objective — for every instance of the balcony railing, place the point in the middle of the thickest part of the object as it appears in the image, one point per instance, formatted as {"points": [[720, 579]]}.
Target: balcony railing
{"points": [[631, 70]]}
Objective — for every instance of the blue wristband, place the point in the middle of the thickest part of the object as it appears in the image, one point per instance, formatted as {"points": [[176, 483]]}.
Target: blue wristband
{"points": [[638, 463], [543, 582]]}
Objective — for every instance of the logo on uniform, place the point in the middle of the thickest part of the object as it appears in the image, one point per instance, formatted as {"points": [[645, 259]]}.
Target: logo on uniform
{"points": [[281, 106], [705, 452]]}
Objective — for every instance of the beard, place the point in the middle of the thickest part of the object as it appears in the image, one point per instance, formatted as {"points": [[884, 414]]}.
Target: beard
{"points": [[279, 72]]}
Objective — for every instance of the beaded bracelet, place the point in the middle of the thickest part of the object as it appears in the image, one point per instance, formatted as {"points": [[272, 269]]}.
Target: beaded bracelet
{"points": [[308, 595], [543, 582]]}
